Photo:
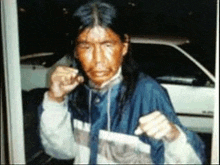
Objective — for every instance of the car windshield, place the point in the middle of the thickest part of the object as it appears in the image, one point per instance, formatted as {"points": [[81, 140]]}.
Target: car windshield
{"points": [[204, 56], [167, 64]]}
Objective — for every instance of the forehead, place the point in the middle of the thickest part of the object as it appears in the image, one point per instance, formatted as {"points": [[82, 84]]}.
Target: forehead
{"points": [[97, 34]]}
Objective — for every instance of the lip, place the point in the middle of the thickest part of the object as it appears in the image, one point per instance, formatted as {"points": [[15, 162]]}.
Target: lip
{"points": [[99, 73]]}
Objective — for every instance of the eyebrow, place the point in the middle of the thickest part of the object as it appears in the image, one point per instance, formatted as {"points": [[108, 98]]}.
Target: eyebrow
{"points": [[108, 41], [103, 42]]}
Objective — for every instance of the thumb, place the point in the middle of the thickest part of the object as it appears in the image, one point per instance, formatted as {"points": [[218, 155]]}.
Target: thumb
{"points": [[138, 131], [70, 87]]}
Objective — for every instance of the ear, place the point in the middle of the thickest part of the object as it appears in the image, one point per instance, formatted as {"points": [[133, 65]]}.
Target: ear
{"points": [[125, 45]]}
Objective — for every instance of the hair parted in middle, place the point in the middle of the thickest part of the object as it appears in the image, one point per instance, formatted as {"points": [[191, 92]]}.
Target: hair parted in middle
{"points": [[98, 13]]}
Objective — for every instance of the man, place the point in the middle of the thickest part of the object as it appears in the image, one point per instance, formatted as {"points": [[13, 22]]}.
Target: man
{"points": [[103, 110]]}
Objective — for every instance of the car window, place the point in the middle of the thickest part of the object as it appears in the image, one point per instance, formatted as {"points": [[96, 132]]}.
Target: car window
{"points": [[168, 65], [206, 57]]}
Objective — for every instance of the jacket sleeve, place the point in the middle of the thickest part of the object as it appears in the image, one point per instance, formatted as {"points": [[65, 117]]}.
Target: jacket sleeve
{"points": [[188, 148], [55, 128], [155, 97], [180, 151]]}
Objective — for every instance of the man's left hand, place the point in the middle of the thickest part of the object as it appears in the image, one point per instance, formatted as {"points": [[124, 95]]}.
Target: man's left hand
{"points": [[157, 125]]}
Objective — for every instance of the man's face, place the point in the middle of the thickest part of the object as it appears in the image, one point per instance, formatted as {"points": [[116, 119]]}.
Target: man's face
{"points": [[100, 52]]}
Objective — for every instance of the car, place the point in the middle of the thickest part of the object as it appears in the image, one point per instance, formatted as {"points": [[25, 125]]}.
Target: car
{"points": [[36, 68], [189, 84]]}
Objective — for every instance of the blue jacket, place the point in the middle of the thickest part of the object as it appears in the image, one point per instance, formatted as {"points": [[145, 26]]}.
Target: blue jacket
{"points": [[148, 96]]}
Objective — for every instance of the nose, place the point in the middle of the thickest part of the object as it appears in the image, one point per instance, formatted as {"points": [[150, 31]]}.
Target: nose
{"points": [[98, 55]]}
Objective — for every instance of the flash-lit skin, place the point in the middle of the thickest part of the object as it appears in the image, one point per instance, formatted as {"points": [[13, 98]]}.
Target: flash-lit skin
{"points": [[100, 52], [156, 125]]}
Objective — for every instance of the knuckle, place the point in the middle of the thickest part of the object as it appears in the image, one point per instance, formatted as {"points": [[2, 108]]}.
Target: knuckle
{"points": [[157, 112], [157, 136], [162, 115], [58, 67], [169, 127], [150, 132], [166, 122], [63, 78], [53, 77], [144, 128], [143, 119]]}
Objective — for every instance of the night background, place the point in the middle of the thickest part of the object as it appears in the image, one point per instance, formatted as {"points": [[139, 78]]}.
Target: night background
{"points": [[42, 23]]}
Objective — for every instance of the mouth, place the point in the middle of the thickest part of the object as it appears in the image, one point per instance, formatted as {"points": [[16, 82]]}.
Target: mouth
{"points": [[99, 73]]}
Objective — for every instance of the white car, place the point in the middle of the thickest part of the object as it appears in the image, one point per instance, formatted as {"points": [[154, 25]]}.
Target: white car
{"points": [[36, 69], [189, 84]]}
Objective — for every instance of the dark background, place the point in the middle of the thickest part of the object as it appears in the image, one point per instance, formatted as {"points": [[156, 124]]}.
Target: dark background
{"points": [[42, 23], [42, 26]]}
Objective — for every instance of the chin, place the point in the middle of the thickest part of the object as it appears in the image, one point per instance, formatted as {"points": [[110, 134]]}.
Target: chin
{"points": [[100, 81]]}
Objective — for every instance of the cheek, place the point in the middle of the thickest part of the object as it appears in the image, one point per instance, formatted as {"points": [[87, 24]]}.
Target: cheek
{"points": [[109, 54], [85, 58], [118, 58], [85, 62], [114, 54], [115, 63], [88, 55]]}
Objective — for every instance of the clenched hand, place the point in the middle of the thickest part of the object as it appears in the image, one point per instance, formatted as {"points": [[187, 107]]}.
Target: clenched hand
{"points": [[62, 81], [157, 125]]}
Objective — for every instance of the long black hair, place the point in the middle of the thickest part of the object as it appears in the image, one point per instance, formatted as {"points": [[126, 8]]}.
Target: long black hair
{"points": [[106, 15]]}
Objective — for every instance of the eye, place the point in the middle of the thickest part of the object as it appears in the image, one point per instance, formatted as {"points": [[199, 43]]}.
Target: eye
{"points": [[109, 45]]}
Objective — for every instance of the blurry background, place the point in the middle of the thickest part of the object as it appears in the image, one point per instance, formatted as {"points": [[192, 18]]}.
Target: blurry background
{"points": [[43, 28], [42, 23]]}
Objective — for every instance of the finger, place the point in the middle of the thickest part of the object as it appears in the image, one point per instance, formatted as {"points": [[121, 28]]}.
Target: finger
{"points": [[76, 71], [68, 69], [138, 131], [59, 76], [68, 76], [80, 79], [64, 77], [152, 131], [154, 122], [145, 119], [68, 88], [71, 78], [66, 80], [162, 133], [77, 80], [149, 117]]}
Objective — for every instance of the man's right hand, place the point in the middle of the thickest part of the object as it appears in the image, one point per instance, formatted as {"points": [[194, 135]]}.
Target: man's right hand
{"points": [[62, 81]]}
